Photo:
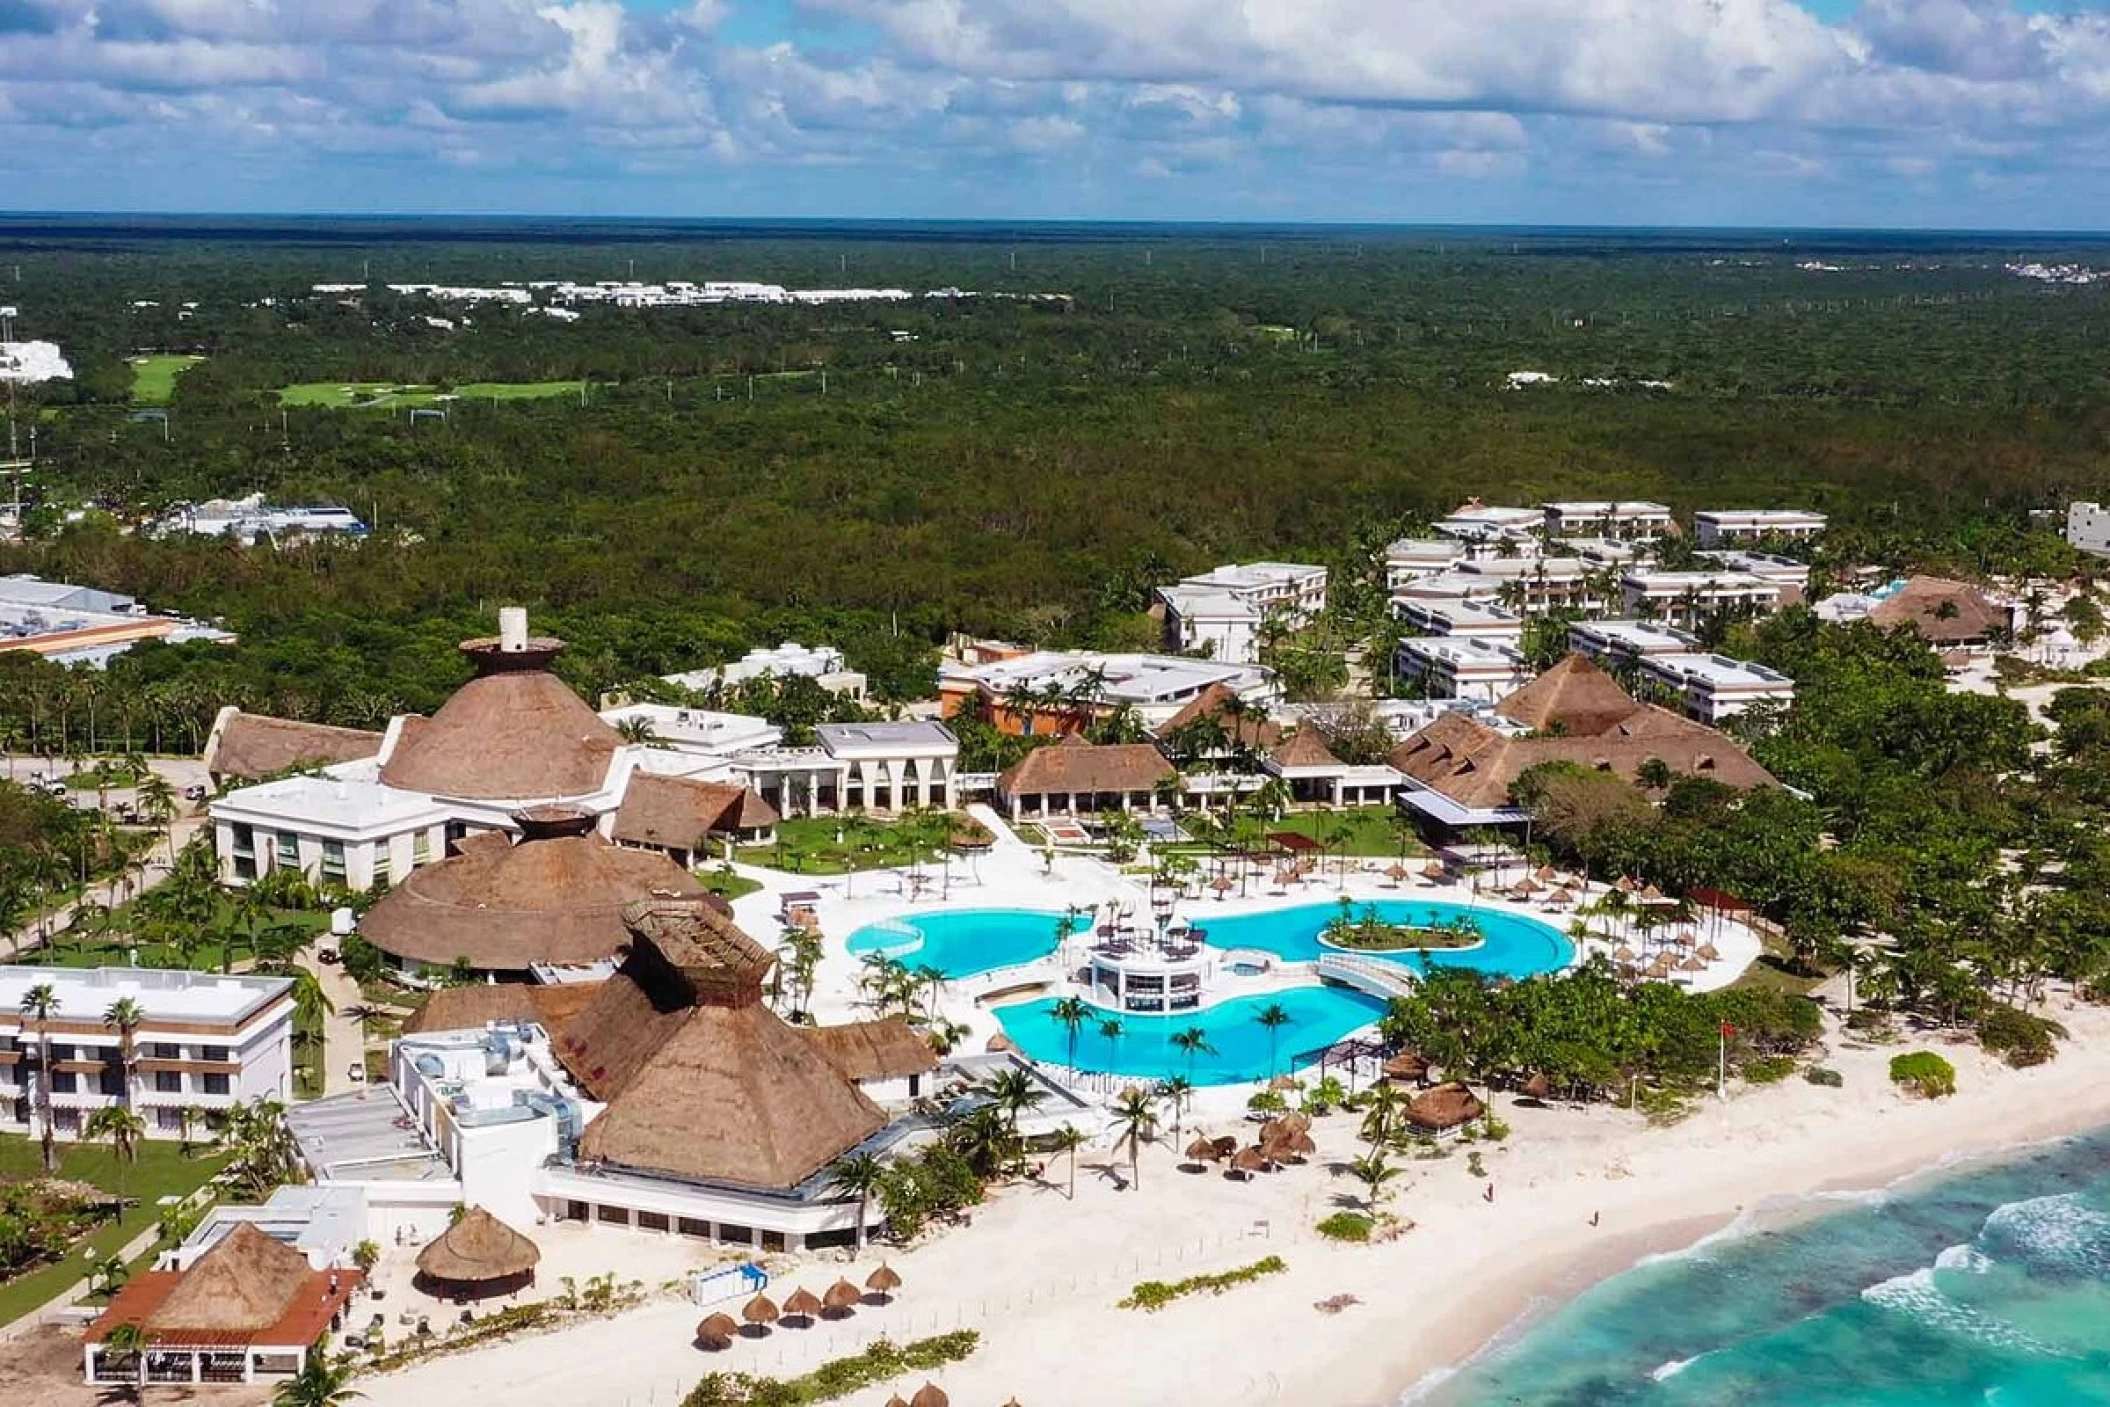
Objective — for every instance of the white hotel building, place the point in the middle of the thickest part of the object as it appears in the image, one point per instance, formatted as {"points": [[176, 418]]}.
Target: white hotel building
{"points": [[1712, 688], [1715, 526], [1464, 668], [1222, 613], [1629, 518], [1685, 598], [205, 1041]]}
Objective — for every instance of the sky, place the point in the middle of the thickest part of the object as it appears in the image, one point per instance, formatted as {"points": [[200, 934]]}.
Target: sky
{"points": [[1894, 113]]}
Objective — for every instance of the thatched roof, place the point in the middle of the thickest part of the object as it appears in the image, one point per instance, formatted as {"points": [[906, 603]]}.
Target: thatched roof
{"points": [[874, 1050], [1406, 1066], [930, 1395], [718, 1326], [842, 1295], [1944, 612], [247, 746], [477, 1249], [700, 1078], [244, 1285], [1575, 698], [1475, 766], [1248, 724], [1305, 748], [802, 1303], [1074, 766], [554, 897], [883, 1279], [679, 813], [468, 1008], [1444, 1107], [515, 732]]}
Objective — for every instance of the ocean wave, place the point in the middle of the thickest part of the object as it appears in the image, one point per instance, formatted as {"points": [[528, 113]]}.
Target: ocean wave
{"points": [[1917, 1297], [1670, 1369], [1966, 1258], [2059, 1233]]}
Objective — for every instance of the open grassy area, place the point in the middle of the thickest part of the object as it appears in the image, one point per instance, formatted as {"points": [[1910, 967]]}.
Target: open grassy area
{"points": [[834, 845], [1370, 830], [161, 1170], [154, 378], [1775, 970], [383, 395], [67, 949]]}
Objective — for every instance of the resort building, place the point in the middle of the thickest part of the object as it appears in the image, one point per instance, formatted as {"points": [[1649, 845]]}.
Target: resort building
{"points": [[1219, 723], [1603, 552], [203, 1041], [69, 624], [1316, 777], [1686, 598], [1947, 614], [1457, 584], [1075, 778], [1038, 692], [1636, 518], [1453, 667], [1459, 770], [1412, 558], [1457, 618], [249, 1310], [1791, 576], [1710, 687], [1528, 584], [1222, 614], [381, 805], [823, 664], [1619, 643], [1493, 527], [247, 519], [1714, 526]]}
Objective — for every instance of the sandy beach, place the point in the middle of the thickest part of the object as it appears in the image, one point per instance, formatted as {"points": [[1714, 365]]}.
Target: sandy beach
{"points": [[1040, 1275]]}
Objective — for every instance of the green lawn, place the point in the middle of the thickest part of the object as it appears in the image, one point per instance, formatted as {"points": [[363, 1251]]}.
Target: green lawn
{"points": [[730, 886], [808, 845], [154, 378], [66, 951], [160, 1171], [1370, 830], [384, 395]]}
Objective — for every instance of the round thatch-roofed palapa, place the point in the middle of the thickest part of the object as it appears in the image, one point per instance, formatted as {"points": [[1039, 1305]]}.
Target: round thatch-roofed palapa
{"points": [[479, 1255], [1445, 1107]]}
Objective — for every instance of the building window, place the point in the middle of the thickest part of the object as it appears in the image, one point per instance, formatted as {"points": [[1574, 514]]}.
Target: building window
{"points": [[216, 1084], [288, 850], [421, 849], [614, 1216], [113, 1082], [66, 1120], [168, 1082], [244, 838], [333, 859], [652, 1221], [689, 1226], [168, 1120], [380, 867], [212, 1052]]}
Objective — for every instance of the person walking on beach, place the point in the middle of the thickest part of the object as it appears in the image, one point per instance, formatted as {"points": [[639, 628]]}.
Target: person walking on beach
{"points": [[1489, 1195], [1594, 1216]]}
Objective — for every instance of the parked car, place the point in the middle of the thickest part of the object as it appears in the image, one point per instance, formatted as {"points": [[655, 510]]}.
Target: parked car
{"points": [[356, 1072], [194, 792]]}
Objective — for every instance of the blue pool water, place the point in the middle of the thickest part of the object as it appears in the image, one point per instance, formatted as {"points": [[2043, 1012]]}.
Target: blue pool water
{"points": [[1515, 946], [1987, 1288], [961, 942], [1319, 1016]]}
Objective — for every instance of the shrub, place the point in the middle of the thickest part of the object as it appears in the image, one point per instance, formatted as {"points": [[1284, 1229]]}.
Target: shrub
{"points": [[1768, 1069], [2018, 1037], [1154, 1295], [838, 1377], [1824, 1075], [1475, 1164], [1924, 1073], [1494, 1128], [1347, 1226]]}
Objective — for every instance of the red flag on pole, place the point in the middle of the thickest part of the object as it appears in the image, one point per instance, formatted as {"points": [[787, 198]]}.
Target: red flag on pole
{"points": [[1727, 1030]]}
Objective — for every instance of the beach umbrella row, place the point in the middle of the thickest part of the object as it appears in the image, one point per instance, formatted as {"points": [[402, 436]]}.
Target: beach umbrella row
{"points": [[719, 1330]]}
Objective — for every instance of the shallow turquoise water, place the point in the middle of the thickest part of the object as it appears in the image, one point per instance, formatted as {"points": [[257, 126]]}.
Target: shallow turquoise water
{"points": [[1989, 1288], [1514, 946], [1319, 1016], [961, 942]]}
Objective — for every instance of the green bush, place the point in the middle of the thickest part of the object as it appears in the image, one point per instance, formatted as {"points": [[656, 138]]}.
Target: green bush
{"points": [[1768, 1069], [1824, 1075], [1923, 1072], [1154, 1295], [838, 1377], [1347, 1226], [2018, 1037]]}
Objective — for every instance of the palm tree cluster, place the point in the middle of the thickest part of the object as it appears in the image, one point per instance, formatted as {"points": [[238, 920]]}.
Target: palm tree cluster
{"points": [[262, 1153]]}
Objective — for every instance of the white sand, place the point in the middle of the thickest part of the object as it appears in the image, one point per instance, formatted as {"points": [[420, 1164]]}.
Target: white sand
{"points": [[1039, 1275]]}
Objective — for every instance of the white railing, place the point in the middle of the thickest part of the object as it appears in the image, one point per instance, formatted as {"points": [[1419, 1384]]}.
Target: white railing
{"points": [[1378, 978]]}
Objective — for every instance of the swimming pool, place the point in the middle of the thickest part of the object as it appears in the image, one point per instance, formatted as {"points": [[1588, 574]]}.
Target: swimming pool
{"points": [[1513, 946], [961, 942], [1241, 1048]]}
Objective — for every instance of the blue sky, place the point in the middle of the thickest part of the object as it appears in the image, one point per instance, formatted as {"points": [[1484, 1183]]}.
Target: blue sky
{"points": [[1951, 113]]}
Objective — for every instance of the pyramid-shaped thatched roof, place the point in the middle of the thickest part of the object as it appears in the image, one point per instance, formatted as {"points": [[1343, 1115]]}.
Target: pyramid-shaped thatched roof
{"points": [[1074, 766], [1944, 612], [1475, 766], [1574, 698], [247, 746], [478, 1249], [1221, 703], [1304, 748], [516, 732], [244, 1285], [679, 813], [700, 1078], [555, 896]]}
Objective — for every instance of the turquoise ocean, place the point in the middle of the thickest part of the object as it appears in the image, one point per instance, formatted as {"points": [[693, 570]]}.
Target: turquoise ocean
{"points": [[1987, 1285]]}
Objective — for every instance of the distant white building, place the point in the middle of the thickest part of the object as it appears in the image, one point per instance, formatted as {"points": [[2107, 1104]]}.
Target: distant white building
{"points": [[1412, 558], [248, 519], [821, 663], [1711, 688], [1461, 619], [1606, 518], [1463, 668], [1155, 686], [70, 624], [1222, 613], [1687, 597], [1714, 526], [205, 1041], [1784, 572], [1616, 642], [2088, 528], [29, 363], [1492, 524]]}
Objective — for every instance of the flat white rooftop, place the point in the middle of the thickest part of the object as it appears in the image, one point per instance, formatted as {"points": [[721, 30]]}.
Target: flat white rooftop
{"points": [[1739, 517], [1240, 575], [349, 804], [1636, 637], [1596, 508], [884, 739], [698, 726], [1137, 679], [1460, 614], [1423, 549], [1719, 671], [1698, 581], [164, 994], [1465, 653]]}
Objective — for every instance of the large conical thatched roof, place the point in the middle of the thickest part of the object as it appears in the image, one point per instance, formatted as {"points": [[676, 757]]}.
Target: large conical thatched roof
{"points": [[701, 1079], [556, 896], [516, 732], [1444, 1107], [477, 1249], [244, 1285], [1574, 697]]}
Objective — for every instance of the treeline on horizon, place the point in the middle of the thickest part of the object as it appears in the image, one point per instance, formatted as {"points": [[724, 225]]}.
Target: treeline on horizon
{"points": [[1023, 469]]}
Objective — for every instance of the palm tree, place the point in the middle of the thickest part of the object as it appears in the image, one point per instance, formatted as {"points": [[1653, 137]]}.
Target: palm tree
{"points": [[1273, 1017], [126, 1343], [188, 1118], [157, 803], [1137, 1119], [1192, 1042], [1373, 1172], [123, 1127], [1072, 1013], [637, 731], [1179, 1090], [1068, 1139], [1014, 1091], [323, 1382], [125, 1016], [39, 1004], [859, 1176]]}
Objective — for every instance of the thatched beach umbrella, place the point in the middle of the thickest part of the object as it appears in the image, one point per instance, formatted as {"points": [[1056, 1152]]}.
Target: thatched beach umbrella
{"points": [[1249, 1161], [842, 1296], [1537, 1087], [1445, 1107], [1406, 1066], [718, 1329], [761, 1312], [883, 1281], [1281, 1083], [1623, 954], [1295, 1145], [1691, 964], [1559, 899], [478, 1255], [999, 1043], [1223, 884], [1202, 1150], [897, 1400], [801, 1303], [1527, 885], [1226, 1146], [930, 1395], [1709, 952], [1546, 874], [1434, 870]]}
